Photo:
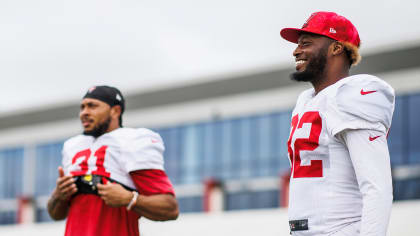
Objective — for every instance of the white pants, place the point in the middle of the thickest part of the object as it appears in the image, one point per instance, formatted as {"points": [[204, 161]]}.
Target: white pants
{"points": [[352, 229]]}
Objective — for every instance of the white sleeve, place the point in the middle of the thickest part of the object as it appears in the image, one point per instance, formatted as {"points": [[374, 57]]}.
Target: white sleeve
{"points": [[370, 157], [144, 151]]}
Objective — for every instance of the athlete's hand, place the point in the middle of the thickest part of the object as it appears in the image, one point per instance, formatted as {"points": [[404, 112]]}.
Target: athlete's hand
{"points": [[114, 194], [65, 186]]}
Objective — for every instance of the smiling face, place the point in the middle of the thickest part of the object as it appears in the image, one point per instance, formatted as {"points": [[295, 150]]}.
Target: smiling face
{"points": [[311, 55], [95, 116]]}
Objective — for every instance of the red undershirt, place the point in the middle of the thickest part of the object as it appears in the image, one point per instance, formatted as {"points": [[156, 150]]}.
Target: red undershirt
{"points": [[90, 216]]}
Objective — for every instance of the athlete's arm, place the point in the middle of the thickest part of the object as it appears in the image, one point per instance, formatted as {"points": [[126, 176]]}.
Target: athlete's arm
{"points": [[142, 158], [159, 207], [370, 157], [156, 200], [58, 204]]}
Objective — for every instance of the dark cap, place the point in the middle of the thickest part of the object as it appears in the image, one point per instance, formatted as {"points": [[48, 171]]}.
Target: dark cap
{"points": [[110, 95]]}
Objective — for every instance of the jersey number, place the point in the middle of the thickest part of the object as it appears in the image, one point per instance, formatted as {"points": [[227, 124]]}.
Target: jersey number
{"points": [[100, 158], [305, 144]]}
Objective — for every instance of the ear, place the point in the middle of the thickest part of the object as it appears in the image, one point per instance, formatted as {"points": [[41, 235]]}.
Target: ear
{"points": [[337, 48], [116, 111]]}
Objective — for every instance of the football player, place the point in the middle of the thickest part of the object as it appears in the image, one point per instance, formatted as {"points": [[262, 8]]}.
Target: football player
{"points": [[340, 166], [111, 176]]}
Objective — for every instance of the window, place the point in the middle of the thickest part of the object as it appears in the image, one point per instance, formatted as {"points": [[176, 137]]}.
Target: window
{"points": [[414, 128], [11, 169], [11, 182], [252, 200], [397, 140], [171, 137], [47, 160], [281, 127], [192, 146]]}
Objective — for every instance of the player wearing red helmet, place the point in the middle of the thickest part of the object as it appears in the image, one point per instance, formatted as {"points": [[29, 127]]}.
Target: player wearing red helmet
{"points": [[340, 168]]}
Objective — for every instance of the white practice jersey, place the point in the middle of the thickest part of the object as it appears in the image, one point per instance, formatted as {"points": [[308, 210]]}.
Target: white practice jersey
{"points": [[324, 189], [114, 154]]}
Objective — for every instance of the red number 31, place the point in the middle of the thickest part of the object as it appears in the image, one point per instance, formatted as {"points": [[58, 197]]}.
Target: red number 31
{"points": [[100, 158], [305, 144]]}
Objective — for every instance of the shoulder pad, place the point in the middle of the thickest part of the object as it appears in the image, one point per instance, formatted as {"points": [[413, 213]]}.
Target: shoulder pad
{"points": [[144, 150], [364, 102]]}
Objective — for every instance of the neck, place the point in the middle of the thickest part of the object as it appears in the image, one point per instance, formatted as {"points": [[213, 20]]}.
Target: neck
{"points": [[330, 77], [113, 126]]}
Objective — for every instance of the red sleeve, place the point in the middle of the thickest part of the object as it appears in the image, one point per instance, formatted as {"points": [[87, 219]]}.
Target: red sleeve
{"points": [[151, 182]]}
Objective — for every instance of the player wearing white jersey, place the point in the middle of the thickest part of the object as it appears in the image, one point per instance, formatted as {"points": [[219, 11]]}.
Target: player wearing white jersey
{"points": [[126, 150], [341, 177], [111, 176]]}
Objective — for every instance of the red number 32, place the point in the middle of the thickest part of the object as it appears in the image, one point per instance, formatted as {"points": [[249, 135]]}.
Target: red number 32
{"points": [[305, 144], [100, 158]]}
